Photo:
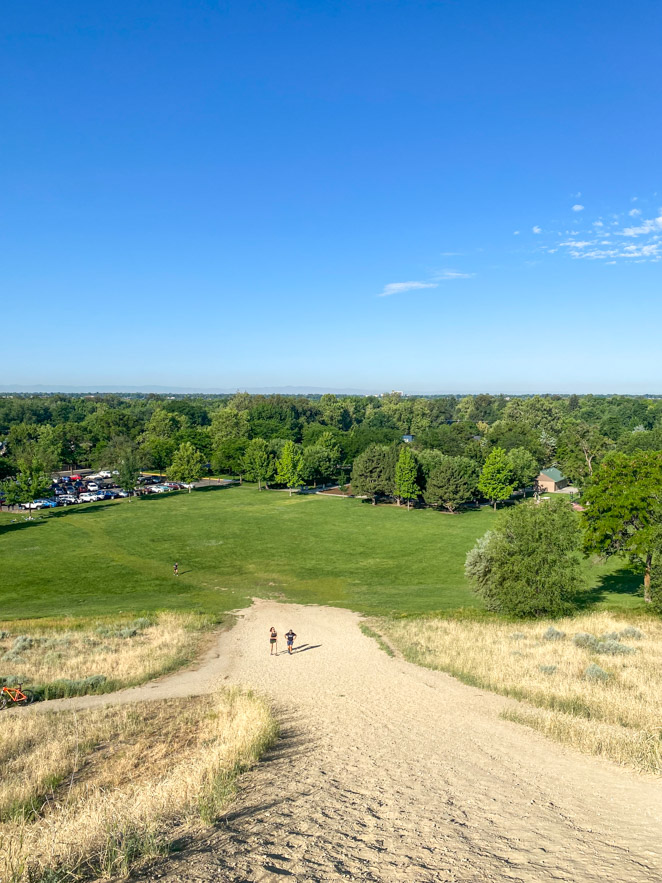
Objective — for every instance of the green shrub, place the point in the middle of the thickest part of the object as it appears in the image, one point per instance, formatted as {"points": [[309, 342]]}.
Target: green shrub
{"points": [[612, 648], [594, 673], [632, 633], [584, 639], [529, 564], [548, 669], [553, 634]]}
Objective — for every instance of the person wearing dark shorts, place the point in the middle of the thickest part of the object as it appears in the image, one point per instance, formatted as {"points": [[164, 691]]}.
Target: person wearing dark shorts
{"points": [[290, 636], [273, 640], [175, 569]]}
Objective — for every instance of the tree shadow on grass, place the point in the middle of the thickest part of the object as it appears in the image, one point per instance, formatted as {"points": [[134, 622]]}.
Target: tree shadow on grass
{"points": [[624, 583], [19, 525]]}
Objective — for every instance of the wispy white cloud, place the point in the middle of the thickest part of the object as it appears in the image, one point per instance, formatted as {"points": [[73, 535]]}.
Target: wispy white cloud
{"points": [[515, 232], [401, 287], [611, 237], [452, 274], [649, 226]]}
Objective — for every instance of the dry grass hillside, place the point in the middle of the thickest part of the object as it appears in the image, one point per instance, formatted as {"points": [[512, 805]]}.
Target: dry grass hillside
{"points": [[70, 657], [592, 681], [88, 793]]}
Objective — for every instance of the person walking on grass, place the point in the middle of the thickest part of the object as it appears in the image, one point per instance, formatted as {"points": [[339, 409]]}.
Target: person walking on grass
{"points": [[175, 569], [290, 636], [273, 640]]}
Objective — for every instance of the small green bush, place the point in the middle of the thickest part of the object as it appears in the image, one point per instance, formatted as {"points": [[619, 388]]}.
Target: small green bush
{"points": [[22, 643], [612, 648], [632, 633], [548, 669], [65, 687], [517, 636], [584, 639], [553, 634], [594, 673], [11, 680], [3, 635]]}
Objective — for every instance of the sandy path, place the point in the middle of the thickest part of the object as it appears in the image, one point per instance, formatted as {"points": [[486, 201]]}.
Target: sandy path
{"points": [[390, 772]]}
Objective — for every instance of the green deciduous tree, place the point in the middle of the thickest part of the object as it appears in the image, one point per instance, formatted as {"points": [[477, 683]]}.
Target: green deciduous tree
{"points": [[624, 508], [581, 446], [187, 464], [452, 482], [289, 467], [31, 482], [258, 462], [523, 465], [529, 565], [496, 478], [406, 477]]}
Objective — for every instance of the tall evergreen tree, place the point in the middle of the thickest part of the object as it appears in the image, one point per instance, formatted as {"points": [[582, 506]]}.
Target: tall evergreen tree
{"points": [[451, 482]]}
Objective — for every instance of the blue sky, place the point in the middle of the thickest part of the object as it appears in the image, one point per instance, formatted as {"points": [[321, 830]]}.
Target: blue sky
{"points": [[427, 196]]}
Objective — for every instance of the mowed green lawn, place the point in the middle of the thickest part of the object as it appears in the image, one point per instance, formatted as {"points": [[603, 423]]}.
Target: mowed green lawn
{"points": [[234, 543]]}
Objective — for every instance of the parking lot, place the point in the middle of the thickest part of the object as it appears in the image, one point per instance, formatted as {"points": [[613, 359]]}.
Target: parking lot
{"points": [[73, 489]]}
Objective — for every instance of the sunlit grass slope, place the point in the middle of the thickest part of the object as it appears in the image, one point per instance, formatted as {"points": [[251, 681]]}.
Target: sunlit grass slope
{"points": [[235, 543]]}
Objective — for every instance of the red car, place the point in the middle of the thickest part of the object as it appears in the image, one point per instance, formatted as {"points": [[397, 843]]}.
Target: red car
{"points": [[76, 478]]}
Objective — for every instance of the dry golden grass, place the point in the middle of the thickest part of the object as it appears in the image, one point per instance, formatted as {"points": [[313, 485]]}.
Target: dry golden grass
{"points": [[64, 653], [619, 717], [91, 792]]}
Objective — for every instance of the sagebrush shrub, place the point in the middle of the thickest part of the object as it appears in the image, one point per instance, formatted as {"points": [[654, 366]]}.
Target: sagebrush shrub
{"points": [[612, 648], [553, 634], [593, 672], [548, 669], [584, 639]]}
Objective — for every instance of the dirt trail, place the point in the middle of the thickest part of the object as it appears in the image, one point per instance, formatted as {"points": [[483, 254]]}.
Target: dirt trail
{"points": [[390, 772]]}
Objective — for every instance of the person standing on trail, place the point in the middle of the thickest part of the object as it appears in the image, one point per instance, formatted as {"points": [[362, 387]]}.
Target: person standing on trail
{"points": [[175, 569], [290, 640], [273, 640]]}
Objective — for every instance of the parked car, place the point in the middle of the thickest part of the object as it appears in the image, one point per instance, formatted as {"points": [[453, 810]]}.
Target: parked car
{"points": [[87, 498], [47, 503], [92, 486], [105, 473], [122, 493], [174, 485], [75, 478], [67, 500], [35, 504]]}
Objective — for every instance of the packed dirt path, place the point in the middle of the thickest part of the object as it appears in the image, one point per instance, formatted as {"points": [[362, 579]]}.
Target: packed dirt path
{"points": [[390, 772]]}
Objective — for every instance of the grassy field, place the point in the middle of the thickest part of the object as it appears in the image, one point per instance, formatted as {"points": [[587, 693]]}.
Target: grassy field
{"points": [[92, 792], [65, 657], [591, 681], [235, 543]]}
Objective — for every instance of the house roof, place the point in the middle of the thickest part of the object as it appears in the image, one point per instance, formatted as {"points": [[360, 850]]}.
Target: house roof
{"points": [[553, 474]]}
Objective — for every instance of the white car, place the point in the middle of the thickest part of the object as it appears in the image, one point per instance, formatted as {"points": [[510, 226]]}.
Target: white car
{"points": [[92, 486], [87, 498], [35, 504], [67, 500], [105, 474], [158, 489]]}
